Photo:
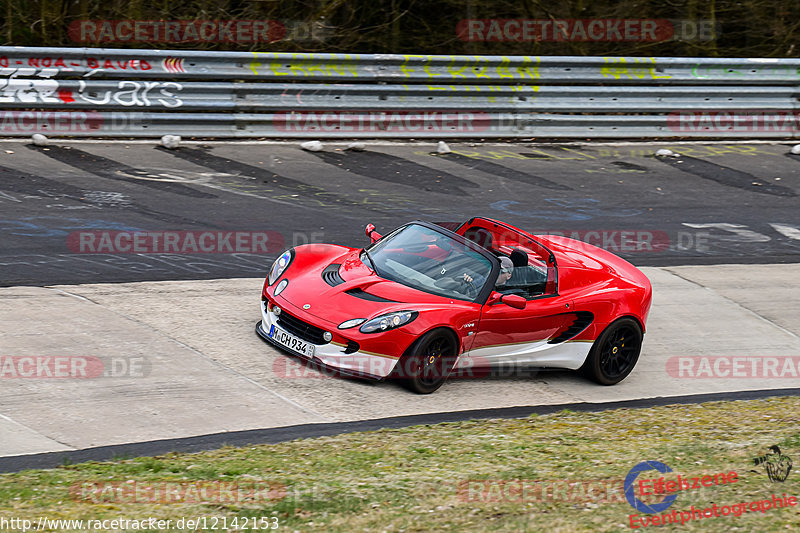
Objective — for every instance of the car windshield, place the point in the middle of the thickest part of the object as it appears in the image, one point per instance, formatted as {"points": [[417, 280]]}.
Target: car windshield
{"points": [[424, 259]]}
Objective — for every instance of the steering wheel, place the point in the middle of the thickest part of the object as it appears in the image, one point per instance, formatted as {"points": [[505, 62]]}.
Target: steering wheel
{"points": [[467, 288]]}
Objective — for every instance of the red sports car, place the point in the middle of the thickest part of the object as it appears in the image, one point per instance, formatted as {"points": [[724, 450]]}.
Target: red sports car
{"points": [[428, 299]]}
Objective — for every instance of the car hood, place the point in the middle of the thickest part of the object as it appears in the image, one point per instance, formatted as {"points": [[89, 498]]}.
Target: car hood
{"points": [[354, 291]]}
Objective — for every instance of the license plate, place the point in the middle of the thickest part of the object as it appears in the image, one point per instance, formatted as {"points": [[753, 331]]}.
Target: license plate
{"points": [[290, 341]]}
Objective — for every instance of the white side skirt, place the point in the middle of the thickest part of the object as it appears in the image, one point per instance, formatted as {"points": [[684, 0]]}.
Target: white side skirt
{"points": [[569, 355]]}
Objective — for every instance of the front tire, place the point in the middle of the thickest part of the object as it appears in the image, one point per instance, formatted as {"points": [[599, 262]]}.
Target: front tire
{"points": [[614, 353], [426, 365]]}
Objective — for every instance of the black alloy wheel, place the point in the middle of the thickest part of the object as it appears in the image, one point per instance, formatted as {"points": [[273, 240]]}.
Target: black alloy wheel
{"points": [[428, 362], [615, 353]]}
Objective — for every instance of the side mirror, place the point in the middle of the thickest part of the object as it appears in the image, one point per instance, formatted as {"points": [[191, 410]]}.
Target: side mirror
{"points": [[373, 235], [512, 300]]}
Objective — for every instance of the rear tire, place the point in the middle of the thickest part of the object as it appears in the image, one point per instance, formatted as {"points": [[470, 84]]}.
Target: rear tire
{"points": [[614, 353], [425, 366]]}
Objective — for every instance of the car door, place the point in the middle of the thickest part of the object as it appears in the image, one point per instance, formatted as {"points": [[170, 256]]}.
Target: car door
{"points": [[506, 335]]}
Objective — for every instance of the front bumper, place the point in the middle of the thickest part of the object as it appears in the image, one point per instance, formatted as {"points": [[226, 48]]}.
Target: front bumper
{"points": [[331, 355]]}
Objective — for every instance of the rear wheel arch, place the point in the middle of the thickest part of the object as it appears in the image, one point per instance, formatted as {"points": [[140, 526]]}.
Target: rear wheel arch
{"points": [[606, 368], [634, 318]]}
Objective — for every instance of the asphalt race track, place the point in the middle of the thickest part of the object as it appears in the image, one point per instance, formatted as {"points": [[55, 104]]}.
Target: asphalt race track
{"points": [[173, 327], [725, 203]]}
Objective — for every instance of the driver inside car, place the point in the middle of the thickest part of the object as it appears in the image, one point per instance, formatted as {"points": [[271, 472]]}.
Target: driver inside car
{"points": [[506, 270]]}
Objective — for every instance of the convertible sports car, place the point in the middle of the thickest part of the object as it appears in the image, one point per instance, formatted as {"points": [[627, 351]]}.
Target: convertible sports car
{"points": [[428, 299]]}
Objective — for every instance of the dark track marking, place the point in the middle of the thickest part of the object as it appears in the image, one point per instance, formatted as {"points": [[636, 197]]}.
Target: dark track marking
{"points": [[629, 166], [21, 182], [505, 172], [727, 176], [24, 183], [110, 169], [322, 197], [532, 155], [397, 170]]}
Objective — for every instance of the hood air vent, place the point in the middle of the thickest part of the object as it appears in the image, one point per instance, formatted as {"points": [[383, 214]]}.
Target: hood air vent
{"points": [[358, 293], [331, 275]]}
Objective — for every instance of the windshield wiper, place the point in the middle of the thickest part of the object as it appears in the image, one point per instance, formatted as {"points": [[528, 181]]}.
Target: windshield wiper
{"points": [[374, 268]]}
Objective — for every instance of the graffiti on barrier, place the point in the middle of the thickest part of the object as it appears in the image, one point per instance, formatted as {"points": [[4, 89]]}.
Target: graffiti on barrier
{"points": [[133, 93], [76, 63], [30, 85]]}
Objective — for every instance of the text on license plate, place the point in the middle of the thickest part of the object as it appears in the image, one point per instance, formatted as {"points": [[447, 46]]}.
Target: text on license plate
{"points": [[290, 341]]}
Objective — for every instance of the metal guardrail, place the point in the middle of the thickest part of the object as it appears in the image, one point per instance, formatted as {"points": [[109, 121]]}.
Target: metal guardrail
{"points": [[227, 96], [190, 64], [145, 93]]}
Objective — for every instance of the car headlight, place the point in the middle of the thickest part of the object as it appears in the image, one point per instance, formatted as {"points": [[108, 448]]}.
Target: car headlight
{"points": [[279, 266], [388, 321], [282, 285], [353, 322]]}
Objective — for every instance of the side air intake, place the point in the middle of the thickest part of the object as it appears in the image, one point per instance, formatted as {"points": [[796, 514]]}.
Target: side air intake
{"points": [[581, 322]]}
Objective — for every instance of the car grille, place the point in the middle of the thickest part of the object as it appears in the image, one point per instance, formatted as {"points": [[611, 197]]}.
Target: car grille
{"points": [[301, 329]]}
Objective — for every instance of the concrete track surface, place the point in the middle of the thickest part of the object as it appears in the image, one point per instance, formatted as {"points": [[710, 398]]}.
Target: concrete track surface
{"points": [[188, 362]]}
